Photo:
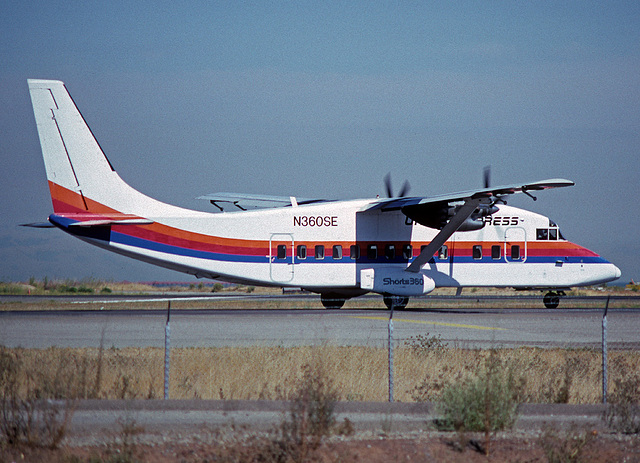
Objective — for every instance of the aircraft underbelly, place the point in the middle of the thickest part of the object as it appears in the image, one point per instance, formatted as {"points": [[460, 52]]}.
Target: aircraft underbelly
{"points": [[527, 274]]}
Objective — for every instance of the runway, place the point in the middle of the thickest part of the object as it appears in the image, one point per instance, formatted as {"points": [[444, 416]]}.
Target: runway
{"points": [[477, 328]]}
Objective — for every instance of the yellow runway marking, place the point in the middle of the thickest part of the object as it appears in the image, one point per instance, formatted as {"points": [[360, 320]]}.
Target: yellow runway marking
{"points": [[424, 322]]}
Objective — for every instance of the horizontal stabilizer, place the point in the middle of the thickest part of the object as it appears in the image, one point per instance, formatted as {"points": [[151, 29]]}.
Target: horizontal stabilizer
{"points": [[102, 223], [38, 225], [96, 220]]}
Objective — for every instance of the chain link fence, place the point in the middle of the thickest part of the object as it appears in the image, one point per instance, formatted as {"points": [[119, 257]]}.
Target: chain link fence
{"points": [[259, 352]]}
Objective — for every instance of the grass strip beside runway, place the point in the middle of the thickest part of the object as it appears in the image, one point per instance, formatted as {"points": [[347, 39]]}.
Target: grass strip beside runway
{"points": [[422, 371]]}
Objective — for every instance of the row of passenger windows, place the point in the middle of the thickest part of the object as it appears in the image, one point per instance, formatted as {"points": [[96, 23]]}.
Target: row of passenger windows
{"points": [[390, 252], [496, 252]]}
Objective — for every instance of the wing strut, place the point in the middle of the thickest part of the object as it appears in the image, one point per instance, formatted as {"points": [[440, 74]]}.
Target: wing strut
{"points": [[449, 229]]}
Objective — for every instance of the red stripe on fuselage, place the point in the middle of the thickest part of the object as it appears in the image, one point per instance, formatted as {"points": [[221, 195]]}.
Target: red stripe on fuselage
{"points": [[69, 204]]}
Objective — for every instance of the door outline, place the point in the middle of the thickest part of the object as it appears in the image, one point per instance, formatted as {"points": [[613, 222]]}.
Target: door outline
{"points": [[517, 235], [281, 270]]}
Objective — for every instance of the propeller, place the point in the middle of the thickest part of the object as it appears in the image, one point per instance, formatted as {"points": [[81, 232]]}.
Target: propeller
{"points": [[486, 181], [486, 210], [403, 191]]}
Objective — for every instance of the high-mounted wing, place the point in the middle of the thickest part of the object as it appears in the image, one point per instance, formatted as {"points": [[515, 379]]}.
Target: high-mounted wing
{"points": [[393, 204], [444, 212], [244, 202]]}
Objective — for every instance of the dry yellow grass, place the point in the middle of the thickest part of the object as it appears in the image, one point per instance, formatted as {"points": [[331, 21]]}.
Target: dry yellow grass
{"points": [[359, 373]]}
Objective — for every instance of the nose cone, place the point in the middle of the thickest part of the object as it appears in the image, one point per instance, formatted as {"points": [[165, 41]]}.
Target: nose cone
{"points": [[616, 272]]}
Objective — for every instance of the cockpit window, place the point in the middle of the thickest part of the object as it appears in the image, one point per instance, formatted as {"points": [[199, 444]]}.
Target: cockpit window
{"points": [[551, 234], [554, 231]]}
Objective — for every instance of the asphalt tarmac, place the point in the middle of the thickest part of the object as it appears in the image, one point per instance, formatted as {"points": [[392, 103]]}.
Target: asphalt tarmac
{"points": [[163, 420], [477, 328]]}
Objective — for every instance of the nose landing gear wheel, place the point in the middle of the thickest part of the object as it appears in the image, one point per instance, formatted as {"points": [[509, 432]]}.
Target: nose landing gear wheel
{"points": [[398, 302], [551, 300]]}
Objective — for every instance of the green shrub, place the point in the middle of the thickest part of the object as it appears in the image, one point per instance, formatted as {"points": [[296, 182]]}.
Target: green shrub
{"points": [[217, 287], [486, 403]]}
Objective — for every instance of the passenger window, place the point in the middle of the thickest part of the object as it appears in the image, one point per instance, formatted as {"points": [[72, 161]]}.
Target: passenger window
{"points": [[390, 251], [496, 252], [542, 234], [319, 252], [337, 252], [477, 251], [553, 234], [354, 251], [282, 251], [407, 251], [515, 252], [372, 252], [443, 253], [301, 251]]}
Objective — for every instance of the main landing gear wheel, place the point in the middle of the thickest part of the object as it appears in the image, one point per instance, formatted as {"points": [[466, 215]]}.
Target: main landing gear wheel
{"points": [[398, 302], [551, 300], [332, 302]]}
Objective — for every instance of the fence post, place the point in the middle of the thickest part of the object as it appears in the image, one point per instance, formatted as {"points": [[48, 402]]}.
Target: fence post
{"points": [[605, 375], [167, 351], [391, 353]]}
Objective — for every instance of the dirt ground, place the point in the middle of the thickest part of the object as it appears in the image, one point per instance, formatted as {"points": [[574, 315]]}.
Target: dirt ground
{"points": [[578, 446]]}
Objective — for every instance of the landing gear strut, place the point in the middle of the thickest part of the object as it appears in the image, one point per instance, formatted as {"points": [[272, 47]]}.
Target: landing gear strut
{"points": [[552, 299], [398, 302]]}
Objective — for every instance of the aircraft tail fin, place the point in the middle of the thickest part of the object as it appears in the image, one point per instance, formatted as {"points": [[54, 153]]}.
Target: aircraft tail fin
{"points": [[81, 178]]}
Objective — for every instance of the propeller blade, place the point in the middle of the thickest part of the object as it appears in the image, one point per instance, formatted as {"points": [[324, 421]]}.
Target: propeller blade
{"points": [[486, 176], [387, 184], [405, 189]]}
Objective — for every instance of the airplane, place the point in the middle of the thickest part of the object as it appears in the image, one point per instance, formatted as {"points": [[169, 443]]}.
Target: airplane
{"points": [[399, 246]]}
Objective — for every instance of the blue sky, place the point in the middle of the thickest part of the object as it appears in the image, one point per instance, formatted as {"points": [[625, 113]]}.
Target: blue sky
{"points": [[189, 98]]}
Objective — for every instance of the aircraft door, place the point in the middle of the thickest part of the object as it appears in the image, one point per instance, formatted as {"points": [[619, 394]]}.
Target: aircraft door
{"points": [[281, 257], [515, 244]]}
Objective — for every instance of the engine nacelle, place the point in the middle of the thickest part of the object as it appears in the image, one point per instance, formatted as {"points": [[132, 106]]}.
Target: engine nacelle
{"points": [[391, 280]]}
